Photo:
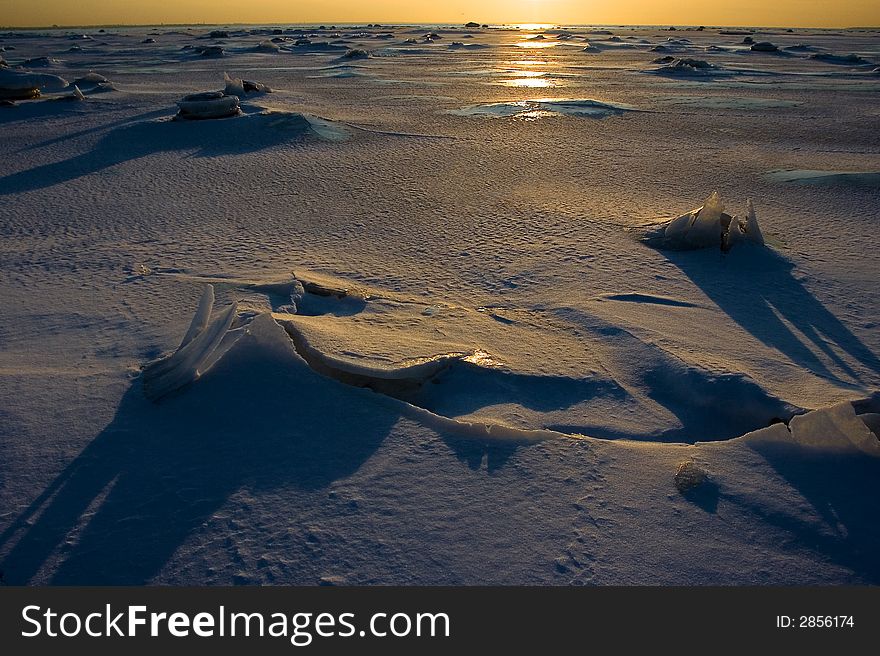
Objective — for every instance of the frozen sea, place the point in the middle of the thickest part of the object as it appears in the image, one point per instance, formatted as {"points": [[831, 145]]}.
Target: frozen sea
{"points": [[453, 357]]}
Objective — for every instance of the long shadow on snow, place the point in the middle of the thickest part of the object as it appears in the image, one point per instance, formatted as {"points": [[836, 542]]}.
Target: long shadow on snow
{"points": [[211, 138], [755, 287], [251, 422], [842, 489]]}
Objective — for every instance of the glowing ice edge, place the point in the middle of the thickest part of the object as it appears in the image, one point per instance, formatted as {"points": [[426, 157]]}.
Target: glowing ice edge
{"points": [[836, 429]]}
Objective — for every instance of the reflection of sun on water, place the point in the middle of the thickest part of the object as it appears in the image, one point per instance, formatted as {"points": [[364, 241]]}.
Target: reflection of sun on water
{"points": [[534, 26], [530, 83], [537, 44], [525, 73], [528, 79]]}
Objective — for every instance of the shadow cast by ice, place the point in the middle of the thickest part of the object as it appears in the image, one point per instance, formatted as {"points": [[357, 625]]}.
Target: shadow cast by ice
{"points": [[231, 136], [756, 288], [258, 420], [841, 489]]}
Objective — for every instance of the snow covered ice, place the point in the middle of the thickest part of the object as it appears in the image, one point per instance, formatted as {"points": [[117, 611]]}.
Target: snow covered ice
{"points": [[451, 277]]}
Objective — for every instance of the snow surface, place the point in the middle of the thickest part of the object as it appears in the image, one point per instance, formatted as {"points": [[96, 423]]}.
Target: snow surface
{"points": [[435, 349]]}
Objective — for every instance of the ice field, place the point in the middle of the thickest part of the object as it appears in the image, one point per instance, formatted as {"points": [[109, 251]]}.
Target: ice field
{"points": [[428, 305]]}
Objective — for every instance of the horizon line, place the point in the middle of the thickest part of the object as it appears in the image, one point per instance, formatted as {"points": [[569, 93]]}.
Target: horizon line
{"points": [[391, 24]]}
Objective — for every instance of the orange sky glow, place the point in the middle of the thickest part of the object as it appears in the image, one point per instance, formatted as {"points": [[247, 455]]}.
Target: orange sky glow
{"points": [[795, 13]]}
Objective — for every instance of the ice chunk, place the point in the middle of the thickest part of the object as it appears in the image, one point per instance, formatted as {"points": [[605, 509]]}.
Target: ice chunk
{"points": [[836, 428], [872, 421], [751, 229], [234, 86], [677, 228], [706, 227], [240, 88], [195, 353], [201, 317], [212, 104], [734, 234]]}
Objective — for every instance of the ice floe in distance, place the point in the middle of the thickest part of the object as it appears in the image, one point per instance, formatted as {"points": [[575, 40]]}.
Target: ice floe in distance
{"points": [[545, 107], [829, 177], [684, 66]]}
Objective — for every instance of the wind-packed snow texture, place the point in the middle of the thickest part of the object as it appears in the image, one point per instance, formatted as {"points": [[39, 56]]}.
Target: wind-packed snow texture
{"points": [[446, 339]]}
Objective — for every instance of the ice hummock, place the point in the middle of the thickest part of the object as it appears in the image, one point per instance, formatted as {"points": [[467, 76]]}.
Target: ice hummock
{"points": [[91, 79], [684, 65], [708, 226], [23, 85]]}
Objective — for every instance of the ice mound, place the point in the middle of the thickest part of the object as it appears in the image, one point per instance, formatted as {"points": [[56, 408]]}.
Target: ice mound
{"points": [[684, 62], [683, 66], [356, 53], [708, 226], [268, 47], [208, 105], [196, 353], [91, 78], [342, 72], [458, 45], [844, 60], [210, 51], [545, 107], [240, 88], [41, 62], [764, 46], [22, 85]]}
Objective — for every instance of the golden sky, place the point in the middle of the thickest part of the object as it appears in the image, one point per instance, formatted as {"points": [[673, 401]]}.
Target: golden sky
{"points": [[806, 13]]}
